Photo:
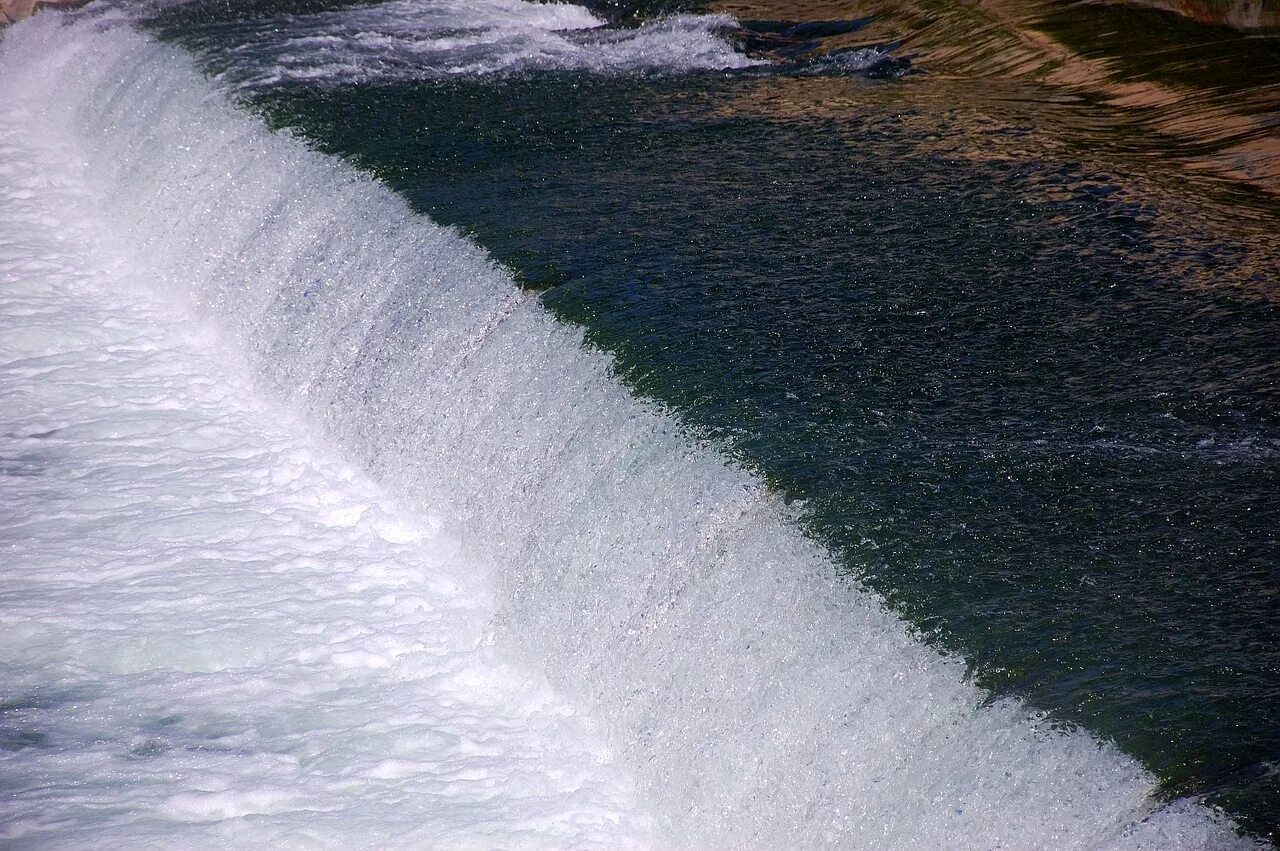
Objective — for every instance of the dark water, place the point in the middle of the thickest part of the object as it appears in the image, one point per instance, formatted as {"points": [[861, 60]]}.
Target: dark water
{"points": [[1027, 387]]}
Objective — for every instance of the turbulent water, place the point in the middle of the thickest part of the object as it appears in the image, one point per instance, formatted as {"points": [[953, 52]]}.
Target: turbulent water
{"points": [[325, 529]]}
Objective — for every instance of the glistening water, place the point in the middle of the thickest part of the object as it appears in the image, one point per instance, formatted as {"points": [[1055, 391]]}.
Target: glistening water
{"points": [[1013, 378]]}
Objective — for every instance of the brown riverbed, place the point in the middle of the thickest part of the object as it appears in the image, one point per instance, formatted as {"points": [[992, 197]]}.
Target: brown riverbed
{"points": [[1200, 79]]}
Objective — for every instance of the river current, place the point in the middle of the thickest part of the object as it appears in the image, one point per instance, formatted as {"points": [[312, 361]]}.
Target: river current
{"points": [[873, 457]]}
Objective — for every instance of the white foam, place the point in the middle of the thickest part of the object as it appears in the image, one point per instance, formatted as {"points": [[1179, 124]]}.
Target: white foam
{"points": [[757, 699], [213, 632], [411, 40]]}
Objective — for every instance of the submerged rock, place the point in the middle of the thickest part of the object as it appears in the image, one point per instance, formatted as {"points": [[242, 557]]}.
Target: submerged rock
{"points": [[12, 11], [1195, 75]]}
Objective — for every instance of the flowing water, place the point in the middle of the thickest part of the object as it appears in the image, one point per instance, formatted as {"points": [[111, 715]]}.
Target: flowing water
{"points": [[479, 424]]}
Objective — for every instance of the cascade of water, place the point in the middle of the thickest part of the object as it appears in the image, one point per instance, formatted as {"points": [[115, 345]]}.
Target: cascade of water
{"points": [[759, 699]]}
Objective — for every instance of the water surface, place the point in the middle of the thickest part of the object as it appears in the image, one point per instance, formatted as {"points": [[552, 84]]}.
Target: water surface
{"points": [[1018, 370]]}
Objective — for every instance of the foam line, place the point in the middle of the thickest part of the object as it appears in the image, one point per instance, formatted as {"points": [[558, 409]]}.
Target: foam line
{"points": [[409, 40]]}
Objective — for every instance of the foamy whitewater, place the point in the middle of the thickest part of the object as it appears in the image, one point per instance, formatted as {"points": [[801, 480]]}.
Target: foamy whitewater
{"points": [[215, 632], [411, 40], [318, 532]]}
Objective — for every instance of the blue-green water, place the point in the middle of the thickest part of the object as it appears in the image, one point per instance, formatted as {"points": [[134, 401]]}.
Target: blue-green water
{"points": [[1024, 380]]}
